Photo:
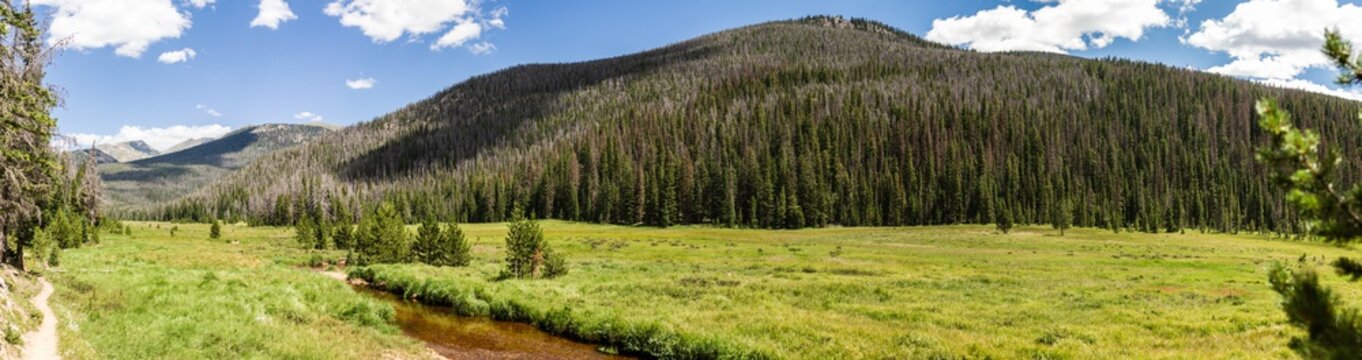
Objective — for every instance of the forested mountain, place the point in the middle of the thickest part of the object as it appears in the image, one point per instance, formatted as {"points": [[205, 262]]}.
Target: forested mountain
{"points": [[803, 123], [170, 176]]}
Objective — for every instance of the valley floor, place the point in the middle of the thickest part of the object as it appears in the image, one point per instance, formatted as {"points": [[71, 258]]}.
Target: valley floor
{"points": [[954, 291]]}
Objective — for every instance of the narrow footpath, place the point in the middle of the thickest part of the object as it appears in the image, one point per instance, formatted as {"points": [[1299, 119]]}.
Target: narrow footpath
{"points": [[42, 343]]}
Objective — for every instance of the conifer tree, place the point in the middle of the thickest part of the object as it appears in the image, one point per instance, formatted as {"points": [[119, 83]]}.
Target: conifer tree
{"points": [[27, 164], [215, 232], [426, 248], [453, 247], [1307, 171]]}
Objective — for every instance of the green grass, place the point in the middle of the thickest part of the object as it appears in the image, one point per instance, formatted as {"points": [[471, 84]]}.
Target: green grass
{"points": [[955, 291], [945, 292], [186, 297]]}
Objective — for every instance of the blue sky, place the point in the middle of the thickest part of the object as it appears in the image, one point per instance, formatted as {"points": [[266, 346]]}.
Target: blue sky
{"points": [[253, 62]]}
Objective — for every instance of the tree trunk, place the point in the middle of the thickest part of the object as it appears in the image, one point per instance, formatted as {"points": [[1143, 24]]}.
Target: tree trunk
{"points": [[12, 257]]}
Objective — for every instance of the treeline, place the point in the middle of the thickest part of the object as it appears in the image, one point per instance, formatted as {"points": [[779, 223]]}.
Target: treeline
{"points": [[381, 237], [803, 124]]}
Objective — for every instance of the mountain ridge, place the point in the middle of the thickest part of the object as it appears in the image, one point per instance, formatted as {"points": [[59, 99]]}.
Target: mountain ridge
{"points": [[826, 120]]}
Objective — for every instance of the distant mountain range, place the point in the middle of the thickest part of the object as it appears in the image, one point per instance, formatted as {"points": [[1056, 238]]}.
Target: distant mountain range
{"points": [[187, 166], [130, 151]]}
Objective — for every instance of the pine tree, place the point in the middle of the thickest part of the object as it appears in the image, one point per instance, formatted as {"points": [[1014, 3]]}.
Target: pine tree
{"points": [[1004, 220], [305, 232], [1306, 170], [381, 238], [426, 248], [27, 164], [527, 253], [215, 232], [454, 248]]}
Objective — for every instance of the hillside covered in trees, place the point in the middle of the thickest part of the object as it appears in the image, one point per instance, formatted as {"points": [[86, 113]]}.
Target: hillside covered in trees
{"points": [[802, 123]]}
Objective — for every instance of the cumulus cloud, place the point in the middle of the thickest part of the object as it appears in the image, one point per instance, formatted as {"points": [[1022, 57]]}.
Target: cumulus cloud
{"points": [[461, 33], [1275, 39], [272, 13], [201, 3], [129, 26], [208, 110], [159, 138], [171, 57], [359, 84], [481, 48], [1312, 87], [386, 20], [307, 116], [1064, 26]]}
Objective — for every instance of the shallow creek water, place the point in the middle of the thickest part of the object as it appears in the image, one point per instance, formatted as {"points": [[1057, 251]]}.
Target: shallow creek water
{"points": [[462, 337]]}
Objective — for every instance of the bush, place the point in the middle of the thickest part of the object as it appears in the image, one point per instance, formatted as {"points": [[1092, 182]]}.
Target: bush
{"points": [[215, 232]]}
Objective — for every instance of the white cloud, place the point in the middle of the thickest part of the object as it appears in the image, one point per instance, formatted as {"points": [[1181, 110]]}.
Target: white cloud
{"points": [[460, 21], [130, 26], [208, 110], [308, 116], [171, 57], [1063, 26], [461, 33], [386, 20], [201, 3], [1349, 94], [272, 13], [159, 138], [1275, 39], [494, 18], [481, 48], [359, 84]]}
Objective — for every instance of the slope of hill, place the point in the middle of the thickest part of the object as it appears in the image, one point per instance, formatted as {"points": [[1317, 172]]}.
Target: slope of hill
{"points": [[804, 123], [170, 176], [128, 151], [101, 157], [188, 144]]}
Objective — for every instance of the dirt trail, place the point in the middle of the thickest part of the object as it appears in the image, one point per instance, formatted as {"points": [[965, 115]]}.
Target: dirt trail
{"points": [[42, 344]]}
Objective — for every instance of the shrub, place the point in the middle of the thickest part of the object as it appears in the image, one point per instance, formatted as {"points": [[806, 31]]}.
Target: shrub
{"points": [[215, 232]]}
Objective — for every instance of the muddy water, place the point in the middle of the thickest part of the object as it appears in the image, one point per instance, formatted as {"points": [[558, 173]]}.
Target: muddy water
{"points": [[461, 337]]}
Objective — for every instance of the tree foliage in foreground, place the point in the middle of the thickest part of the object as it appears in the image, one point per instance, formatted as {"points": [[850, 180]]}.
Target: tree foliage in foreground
{"points": [[28, 167], [1308, 171]]}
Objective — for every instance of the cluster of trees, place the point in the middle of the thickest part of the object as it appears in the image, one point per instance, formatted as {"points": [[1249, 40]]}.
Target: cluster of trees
{"points": [[47, 202], [380, 236], [801, 124]]}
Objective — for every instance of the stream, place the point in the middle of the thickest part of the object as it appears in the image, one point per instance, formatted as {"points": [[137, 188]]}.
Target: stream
{"points": [[462, 337]]}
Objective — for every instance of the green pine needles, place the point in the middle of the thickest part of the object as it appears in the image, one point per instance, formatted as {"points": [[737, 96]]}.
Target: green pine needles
{"points": [[528, 255], [1307, 171]]}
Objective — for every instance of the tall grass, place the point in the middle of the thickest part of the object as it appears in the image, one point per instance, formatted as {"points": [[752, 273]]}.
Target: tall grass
{"points": [[187, 297]]}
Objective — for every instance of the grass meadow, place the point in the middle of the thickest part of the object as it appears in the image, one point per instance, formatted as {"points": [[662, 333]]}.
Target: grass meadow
{"points": [[920, 292], [157, 296]]}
